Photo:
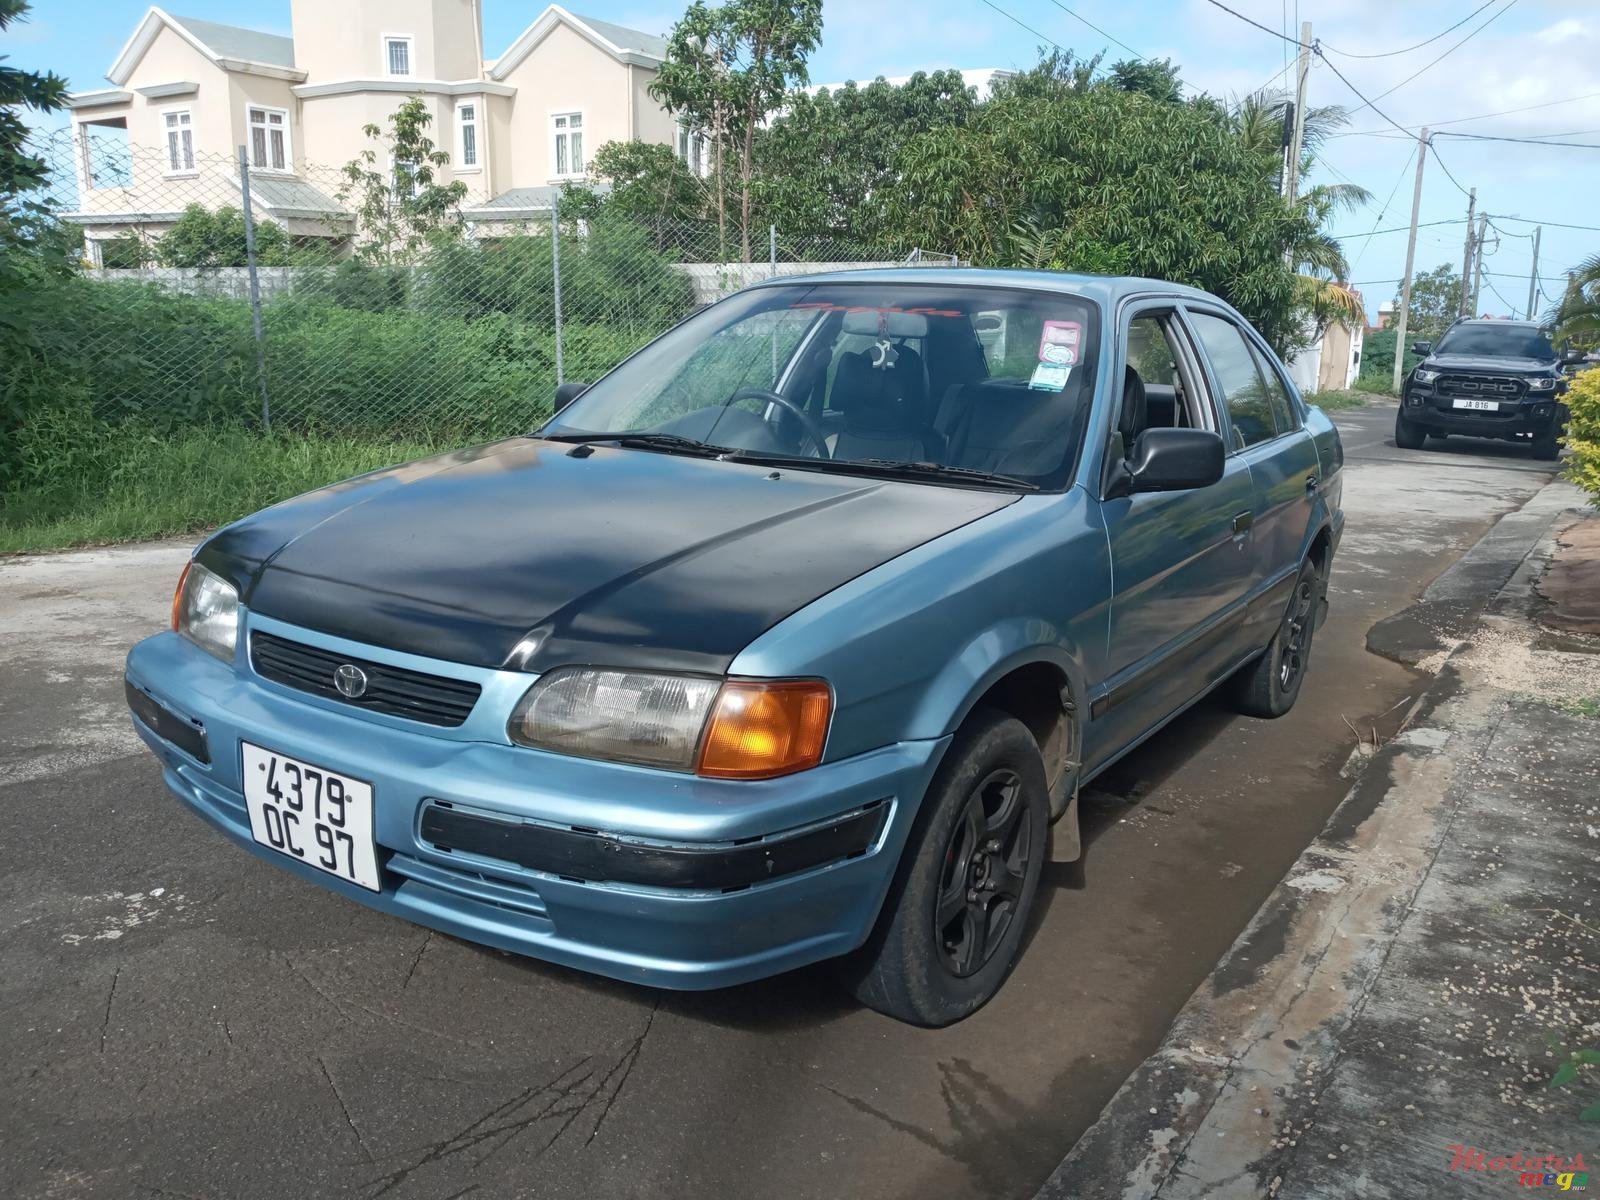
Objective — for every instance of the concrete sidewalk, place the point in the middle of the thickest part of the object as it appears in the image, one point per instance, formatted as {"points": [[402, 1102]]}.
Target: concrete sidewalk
{"points": [[1384, 1026]]}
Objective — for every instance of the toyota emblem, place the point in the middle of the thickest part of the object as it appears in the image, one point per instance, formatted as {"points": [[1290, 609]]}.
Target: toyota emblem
{"points": [[351, 681]]}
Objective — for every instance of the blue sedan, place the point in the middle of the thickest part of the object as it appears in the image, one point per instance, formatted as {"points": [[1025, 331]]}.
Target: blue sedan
{"points": [[792, 638]]}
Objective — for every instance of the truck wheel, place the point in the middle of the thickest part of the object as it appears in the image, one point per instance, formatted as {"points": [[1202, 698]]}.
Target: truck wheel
{"points": [[1407, 434], [1269, 686], [956, 914], [1547, 446]]}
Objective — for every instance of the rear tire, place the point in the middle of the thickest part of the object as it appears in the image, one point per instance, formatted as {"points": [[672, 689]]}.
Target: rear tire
{"points": [[1269, 686], [1408, 435], [957, 912]]}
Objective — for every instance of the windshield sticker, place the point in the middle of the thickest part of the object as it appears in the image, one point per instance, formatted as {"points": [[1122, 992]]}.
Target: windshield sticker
{"points": [[1049, 377], [1058, 344]]}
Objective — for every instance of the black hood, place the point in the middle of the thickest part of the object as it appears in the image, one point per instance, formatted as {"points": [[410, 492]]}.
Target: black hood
{"points": [[622, 557], [1490, 364]]}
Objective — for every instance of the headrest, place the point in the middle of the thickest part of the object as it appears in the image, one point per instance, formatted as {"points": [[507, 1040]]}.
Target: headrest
{"points": [[876, 322]]}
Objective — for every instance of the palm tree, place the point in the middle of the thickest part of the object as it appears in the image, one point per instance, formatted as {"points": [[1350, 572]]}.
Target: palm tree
{"points": [[1577, 318], [1318, 259]]}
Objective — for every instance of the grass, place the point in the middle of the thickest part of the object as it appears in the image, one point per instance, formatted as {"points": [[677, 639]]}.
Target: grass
{"points": [[1334, 401], [132, 486]]}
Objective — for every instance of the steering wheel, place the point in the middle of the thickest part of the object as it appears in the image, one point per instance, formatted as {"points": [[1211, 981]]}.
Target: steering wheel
{"points": [[808, 423]]}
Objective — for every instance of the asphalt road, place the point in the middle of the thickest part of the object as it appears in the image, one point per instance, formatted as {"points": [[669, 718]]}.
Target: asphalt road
{"points": [[181, 1020]]}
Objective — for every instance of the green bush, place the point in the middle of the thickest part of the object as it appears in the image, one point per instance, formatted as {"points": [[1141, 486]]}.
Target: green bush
{"points": [[357, 284], [1583, 432], [1377, 362]]}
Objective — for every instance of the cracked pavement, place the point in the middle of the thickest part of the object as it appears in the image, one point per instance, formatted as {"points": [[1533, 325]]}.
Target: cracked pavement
{"points": [[182, 1019]]}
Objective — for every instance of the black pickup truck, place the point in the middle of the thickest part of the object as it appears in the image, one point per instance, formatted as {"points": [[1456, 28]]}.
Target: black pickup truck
{"points": [[1489, 379]]}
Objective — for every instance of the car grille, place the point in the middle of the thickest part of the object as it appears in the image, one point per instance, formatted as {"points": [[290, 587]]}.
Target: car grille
{"points": [[433, 699], [1480, 387]]}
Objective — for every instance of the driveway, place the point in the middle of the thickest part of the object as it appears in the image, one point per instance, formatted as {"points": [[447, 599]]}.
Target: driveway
{"points": [[183, 1020]]}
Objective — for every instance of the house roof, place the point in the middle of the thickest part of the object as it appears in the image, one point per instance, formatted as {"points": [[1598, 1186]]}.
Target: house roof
{"points": [[623, 44], [293, 198], [523, 202], [235, 41], [230, 47], [627, 39]]}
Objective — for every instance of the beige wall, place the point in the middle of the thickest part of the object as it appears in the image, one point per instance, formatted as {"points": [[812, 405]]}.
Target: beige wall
{"points": [[652, 123], [343, 39], [565, 73]]}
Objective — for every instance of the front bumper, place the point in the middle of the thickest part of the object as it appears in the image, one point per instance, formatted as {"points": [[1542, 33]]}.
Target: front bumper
{"points": [[1533, 416], [648, 876]]}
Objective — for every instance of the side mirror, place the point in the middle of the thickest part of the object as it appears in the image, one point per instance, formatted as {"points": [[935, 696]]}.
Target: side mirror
{"points": [[1571, 358], [566, 393], [1422, 348], [1175, 460]]}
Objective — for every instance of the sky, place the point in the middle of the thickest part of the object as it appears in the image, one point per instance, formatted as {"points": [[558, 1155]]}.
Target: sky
{"points": [[1536, 56]]}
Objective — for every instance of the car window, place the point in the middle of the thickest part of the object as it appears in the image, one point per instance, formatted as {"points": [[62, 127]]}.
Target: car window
{"points": [[1497, 341], [875, 373], [1243, 390], [1153, 354], [1284, 414]]}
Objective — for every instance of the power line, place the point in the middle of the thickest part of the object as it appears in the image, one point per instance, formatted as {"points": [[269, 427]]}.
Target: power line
{"points": [[1025, 25], [1384, 211], [1406, 228], [1492, 19], [1097, 29], [1537, 221], [1447, 172], [1486, 137], [1248, 21], [1505, 112], [1419, 45]]}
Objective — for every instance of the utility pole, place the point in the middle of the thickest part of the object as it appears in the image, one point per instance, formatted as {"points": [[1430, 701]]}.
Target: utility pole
{"points": [[1466, 258], [1297, 142], [1533, 276], [1411, 262], [1477, 271]]}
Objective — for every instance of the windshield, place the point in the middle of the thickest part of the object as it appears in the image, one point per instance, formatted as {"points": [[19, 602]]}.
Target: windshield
{"points": [[957, 380], [1497, 341]]}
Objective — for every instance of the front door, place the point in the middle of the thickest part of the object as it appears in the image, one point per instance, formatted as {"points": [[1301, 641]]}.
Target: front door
{"points": [[1180, 561]]}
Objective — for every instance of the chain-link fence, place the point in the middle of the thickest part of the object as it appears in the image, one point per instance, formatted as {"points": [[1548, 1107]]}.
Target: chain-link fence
{"points": [[362, 300]]}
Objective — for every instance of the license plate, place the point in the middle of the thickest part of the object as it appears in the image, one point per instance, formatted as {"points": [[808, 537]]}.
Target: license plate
{"points": [[308, 812], [1478, 405]]}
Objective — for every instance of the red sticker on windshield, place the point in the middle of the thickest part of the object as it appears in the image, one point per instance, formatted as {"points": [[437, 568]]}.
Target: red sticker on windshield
{"points": [[1059, 343]]}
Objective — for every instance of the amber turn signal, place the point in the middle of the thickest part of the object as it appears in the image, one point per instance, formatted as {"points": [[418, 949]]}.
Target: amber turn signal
{"points": [[177, 596], [763, 728]]}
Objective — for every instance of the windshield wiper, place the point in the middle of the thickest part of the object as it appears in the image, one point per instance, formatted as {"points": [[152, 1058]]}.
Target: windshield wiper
{"points": [[643, 440], [884, 466]]}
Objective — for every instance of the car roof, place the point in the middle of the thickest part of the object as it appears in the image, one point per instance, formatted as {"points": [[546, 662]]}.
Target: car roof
{"points": [[1495, 323], [1107, 289]]}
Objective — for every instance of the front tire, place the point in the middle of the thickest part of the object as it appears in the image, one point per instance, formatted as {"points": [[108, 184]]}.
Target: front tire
{"points": [[956, 915], [1408, 435], [1269, 686], [1547, 446]]}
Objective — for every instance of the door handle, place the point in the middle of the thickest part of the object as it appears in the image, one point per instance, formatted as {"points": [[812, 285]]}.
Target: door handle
{"points": [[1242, 522], [1312, 480]]}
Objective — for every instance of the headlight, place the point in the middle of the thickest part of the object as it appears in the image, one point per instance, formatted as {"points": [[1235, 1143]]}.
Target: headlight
{"points": [[1542, 384], [205, 610], [1425, 376], [732, 729]]}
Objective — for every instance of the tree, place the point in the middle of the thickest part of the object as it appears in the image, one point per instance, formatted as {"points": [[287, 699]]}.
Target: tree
{"points": [[1435, 301], [1104, 180], [20, 171], [727, 68], [401, 210], [827, 165], [1157, 79], [646, 182], [1577, 318], [204, 237]]}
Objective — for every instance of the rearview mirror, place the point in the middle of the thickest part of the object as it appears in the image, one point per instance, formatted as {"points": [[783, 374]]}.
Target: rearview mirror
{"points": [[1175, 460], [1570, 358], [1422, 348], [986, 323], [566, 393]]}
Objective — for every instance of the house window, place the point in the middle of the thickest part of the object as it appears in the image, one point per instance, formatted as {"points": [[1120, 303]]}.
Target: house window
{"points": [[397, 54], [180, 140], [269, 139], [692, 149], [403, 180], [566, 130], [467, 118]]}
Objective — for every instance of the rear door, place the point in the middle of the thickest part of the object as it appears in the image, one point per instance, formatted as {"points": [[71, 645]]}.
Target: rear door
{"points": [[1180, 560], [1268, 434]]}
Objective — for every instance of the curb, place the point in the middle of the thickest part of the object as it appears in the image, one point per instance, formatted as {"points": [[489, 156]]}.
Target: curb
{"points": [[1213, 1111]]}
